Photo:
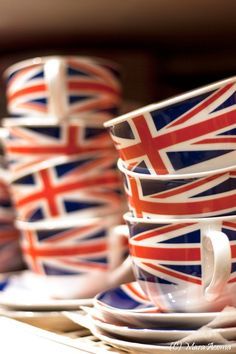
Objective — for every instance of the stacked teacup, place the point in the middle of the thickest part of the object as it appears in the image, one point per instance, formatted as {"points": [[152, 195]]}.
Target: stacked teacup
{"points": [[178, 158], [65, 186]]}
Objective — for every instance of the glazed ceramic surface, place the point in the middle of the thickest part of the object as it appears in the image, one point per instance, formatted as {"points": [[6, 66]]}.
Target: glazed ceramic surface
{"points": [[63, 87], [29, 145], [178, 262], [121, 306], [190, 132], [144, 335], [203, 194]]}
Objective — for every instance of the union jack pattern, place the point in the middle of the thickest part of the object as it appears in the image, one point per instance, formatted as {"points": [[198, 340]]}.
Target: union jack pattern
{"points": [[87, 87], [181, 137], [68, 189], [128, 296], [212, 195], [28, 146], [177, 258], [72, 250], [134, 292]]}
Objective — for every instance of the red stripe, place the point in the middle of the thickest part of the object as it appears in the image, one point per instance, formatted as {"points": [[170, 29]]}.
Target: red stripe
{"points": [[27, 91], [63, 251], [230, 224], [233, 250], [163, 230], [29, 238], [131, 288], [92, 86], [202, 105], [174, 274], [186, 207], [217, 141], [165, 253]]}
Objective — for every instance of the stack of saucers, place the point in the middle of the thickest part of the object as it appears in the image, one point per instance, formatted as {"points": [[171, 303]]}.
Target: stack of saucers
{"points": [[65, 187], [177, 160], [125, 318]]}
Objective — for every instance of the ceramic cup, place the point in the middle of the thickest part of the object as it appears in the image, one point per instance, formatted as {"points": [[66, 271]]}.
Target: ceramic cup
{"points": [[63, 87], [203, 194], [27, 144], [188, 133], [85, 186], [72, 259], [185, 265]]}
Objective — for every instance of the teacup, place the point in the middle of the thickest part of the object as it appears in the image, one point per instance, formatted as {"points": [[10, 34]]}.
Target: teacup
{"points": [[84, 186], [72, 259], [185, 265], [191, 132], [63, 88], [27, 144], [203, 194]]}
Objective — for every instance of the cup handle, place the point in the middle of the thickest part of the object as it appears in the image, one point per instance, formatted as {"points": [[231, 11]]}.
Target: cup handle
{"points": [[120, 269], [216, 256], [55, 76]]}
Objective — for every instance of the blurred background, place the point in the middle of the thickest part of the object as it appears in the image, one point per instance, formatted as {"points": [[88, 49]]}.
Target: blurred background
{"points": [[163, 46]]}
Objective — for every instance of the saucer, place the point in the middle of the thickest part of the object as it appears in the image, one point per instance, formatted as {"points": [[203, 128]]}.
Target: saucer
{"points": [[160, 349], [125, 306], [143, 335], [17, 294], [50, 320]]}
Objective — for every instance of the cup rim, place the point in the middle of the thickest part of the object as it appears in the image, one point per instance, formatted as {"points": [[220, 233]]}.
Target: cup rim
{"points": [[42, 60], [65, 222], [128, 217], [169, 101], [48, 121], [167, 177]]}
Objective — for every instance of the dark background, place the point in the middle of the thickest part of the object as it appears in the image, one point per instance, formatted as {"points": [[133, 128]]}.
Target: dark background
{"points": [[164, 47]]}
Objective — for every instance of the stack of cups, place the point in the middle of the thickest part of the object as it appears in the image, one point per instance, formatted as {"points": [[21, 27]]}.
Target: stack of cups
{"points": [[177, 160], [65, 186]]}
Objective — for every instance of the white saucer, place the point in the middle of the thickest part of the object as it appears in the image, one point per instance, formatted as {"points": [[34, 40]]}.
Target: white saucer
{"points": [[143, 335], [17, 294], [121, 306], [50, 320], [28, 303], [161, 349]]}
